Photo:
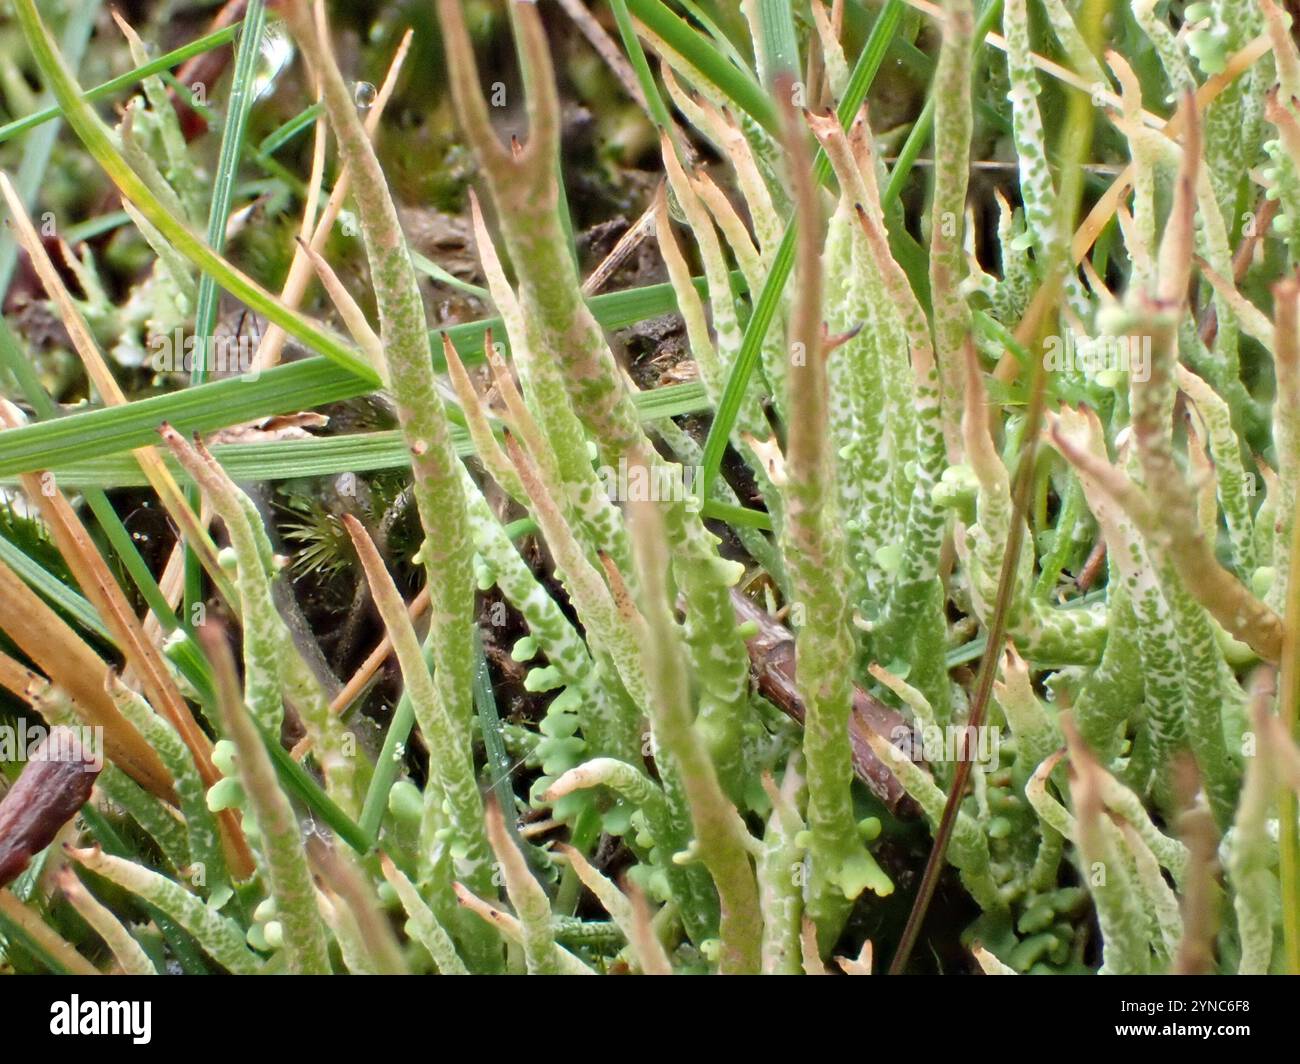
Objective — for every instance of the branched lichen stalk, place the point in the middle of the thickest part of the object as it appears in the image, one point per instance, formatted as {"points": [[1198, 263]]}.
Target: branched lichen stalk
{"points": [[447, 551], [814, 550], [526, 192], [722, 842]]}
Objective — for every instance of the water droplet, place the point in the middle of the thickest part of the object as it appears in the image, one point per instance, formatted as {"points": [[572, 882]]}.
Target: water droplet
{"points": [[364, 95]]}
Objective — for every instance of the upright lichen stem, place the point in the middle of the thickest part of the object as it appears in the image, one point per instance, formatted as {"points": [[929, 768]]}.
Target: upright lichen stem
{"points": [[721, 842], [814, 552], [448, 548]]}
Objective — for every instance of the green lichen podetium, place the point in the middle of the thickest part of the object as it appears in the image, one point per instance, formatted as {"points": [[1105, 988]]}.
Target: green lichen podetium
{"points": [[273, 668], [841, 868], [526, 193], [448, 548]]}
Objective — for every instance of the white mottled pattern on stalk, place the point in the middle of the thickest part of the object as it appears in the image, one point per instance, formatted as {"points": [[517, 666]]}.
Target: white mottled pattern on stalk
{"points": [[1125, 949], [970, 846], [1286, 438], [901, 331], [542, 955], [1146, 151], [423, 925], [1162, 661], [547, 623], [1045, 804], [1036, 733], [1164, 920], [1017, 287], [1036, 187], [1233, 487], [447, 550], [205, 847], [1251, 853], [1162, 664], [1204, 701], [456, 795], [1062, 635], [1213, 244], [1234, 119], [1072, 43], [581, 495], [567, 336], [634, 785], [284, 867], [220, 938], [605, 728], [345, 775], [1037, 190], [872, 405], [779, 896], [609, 629], [722, 842], [929, 378], [855, 406], [1170, 49], [1169, 852]]}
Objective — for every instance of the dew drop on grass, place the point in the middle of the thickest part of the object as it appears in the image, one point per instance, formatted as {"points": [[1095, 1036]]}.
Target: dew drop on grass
{"points": [[363, 94]]}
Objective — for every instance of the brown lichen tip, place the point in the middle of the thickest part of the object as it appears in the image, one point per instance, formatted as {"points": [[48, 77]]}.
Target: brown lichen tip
{"points": [[56, 782]]}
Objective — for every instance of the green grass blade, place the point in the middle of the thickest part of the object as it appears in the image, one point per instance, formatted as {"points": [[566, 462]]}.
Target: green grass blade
{"points": [[279, 137], [124, 81], [738, 86], [295, 386], [247, 54], [640, 66], [360, 452], [777, 42]]}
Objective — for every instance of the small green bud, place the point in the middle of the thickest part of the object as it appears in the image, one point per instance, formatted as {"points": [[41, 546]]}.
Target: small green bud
{"points": [[544, 679], [223, 756], [406, 803], [226, 793], [1261, 580], [256, 937]]}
